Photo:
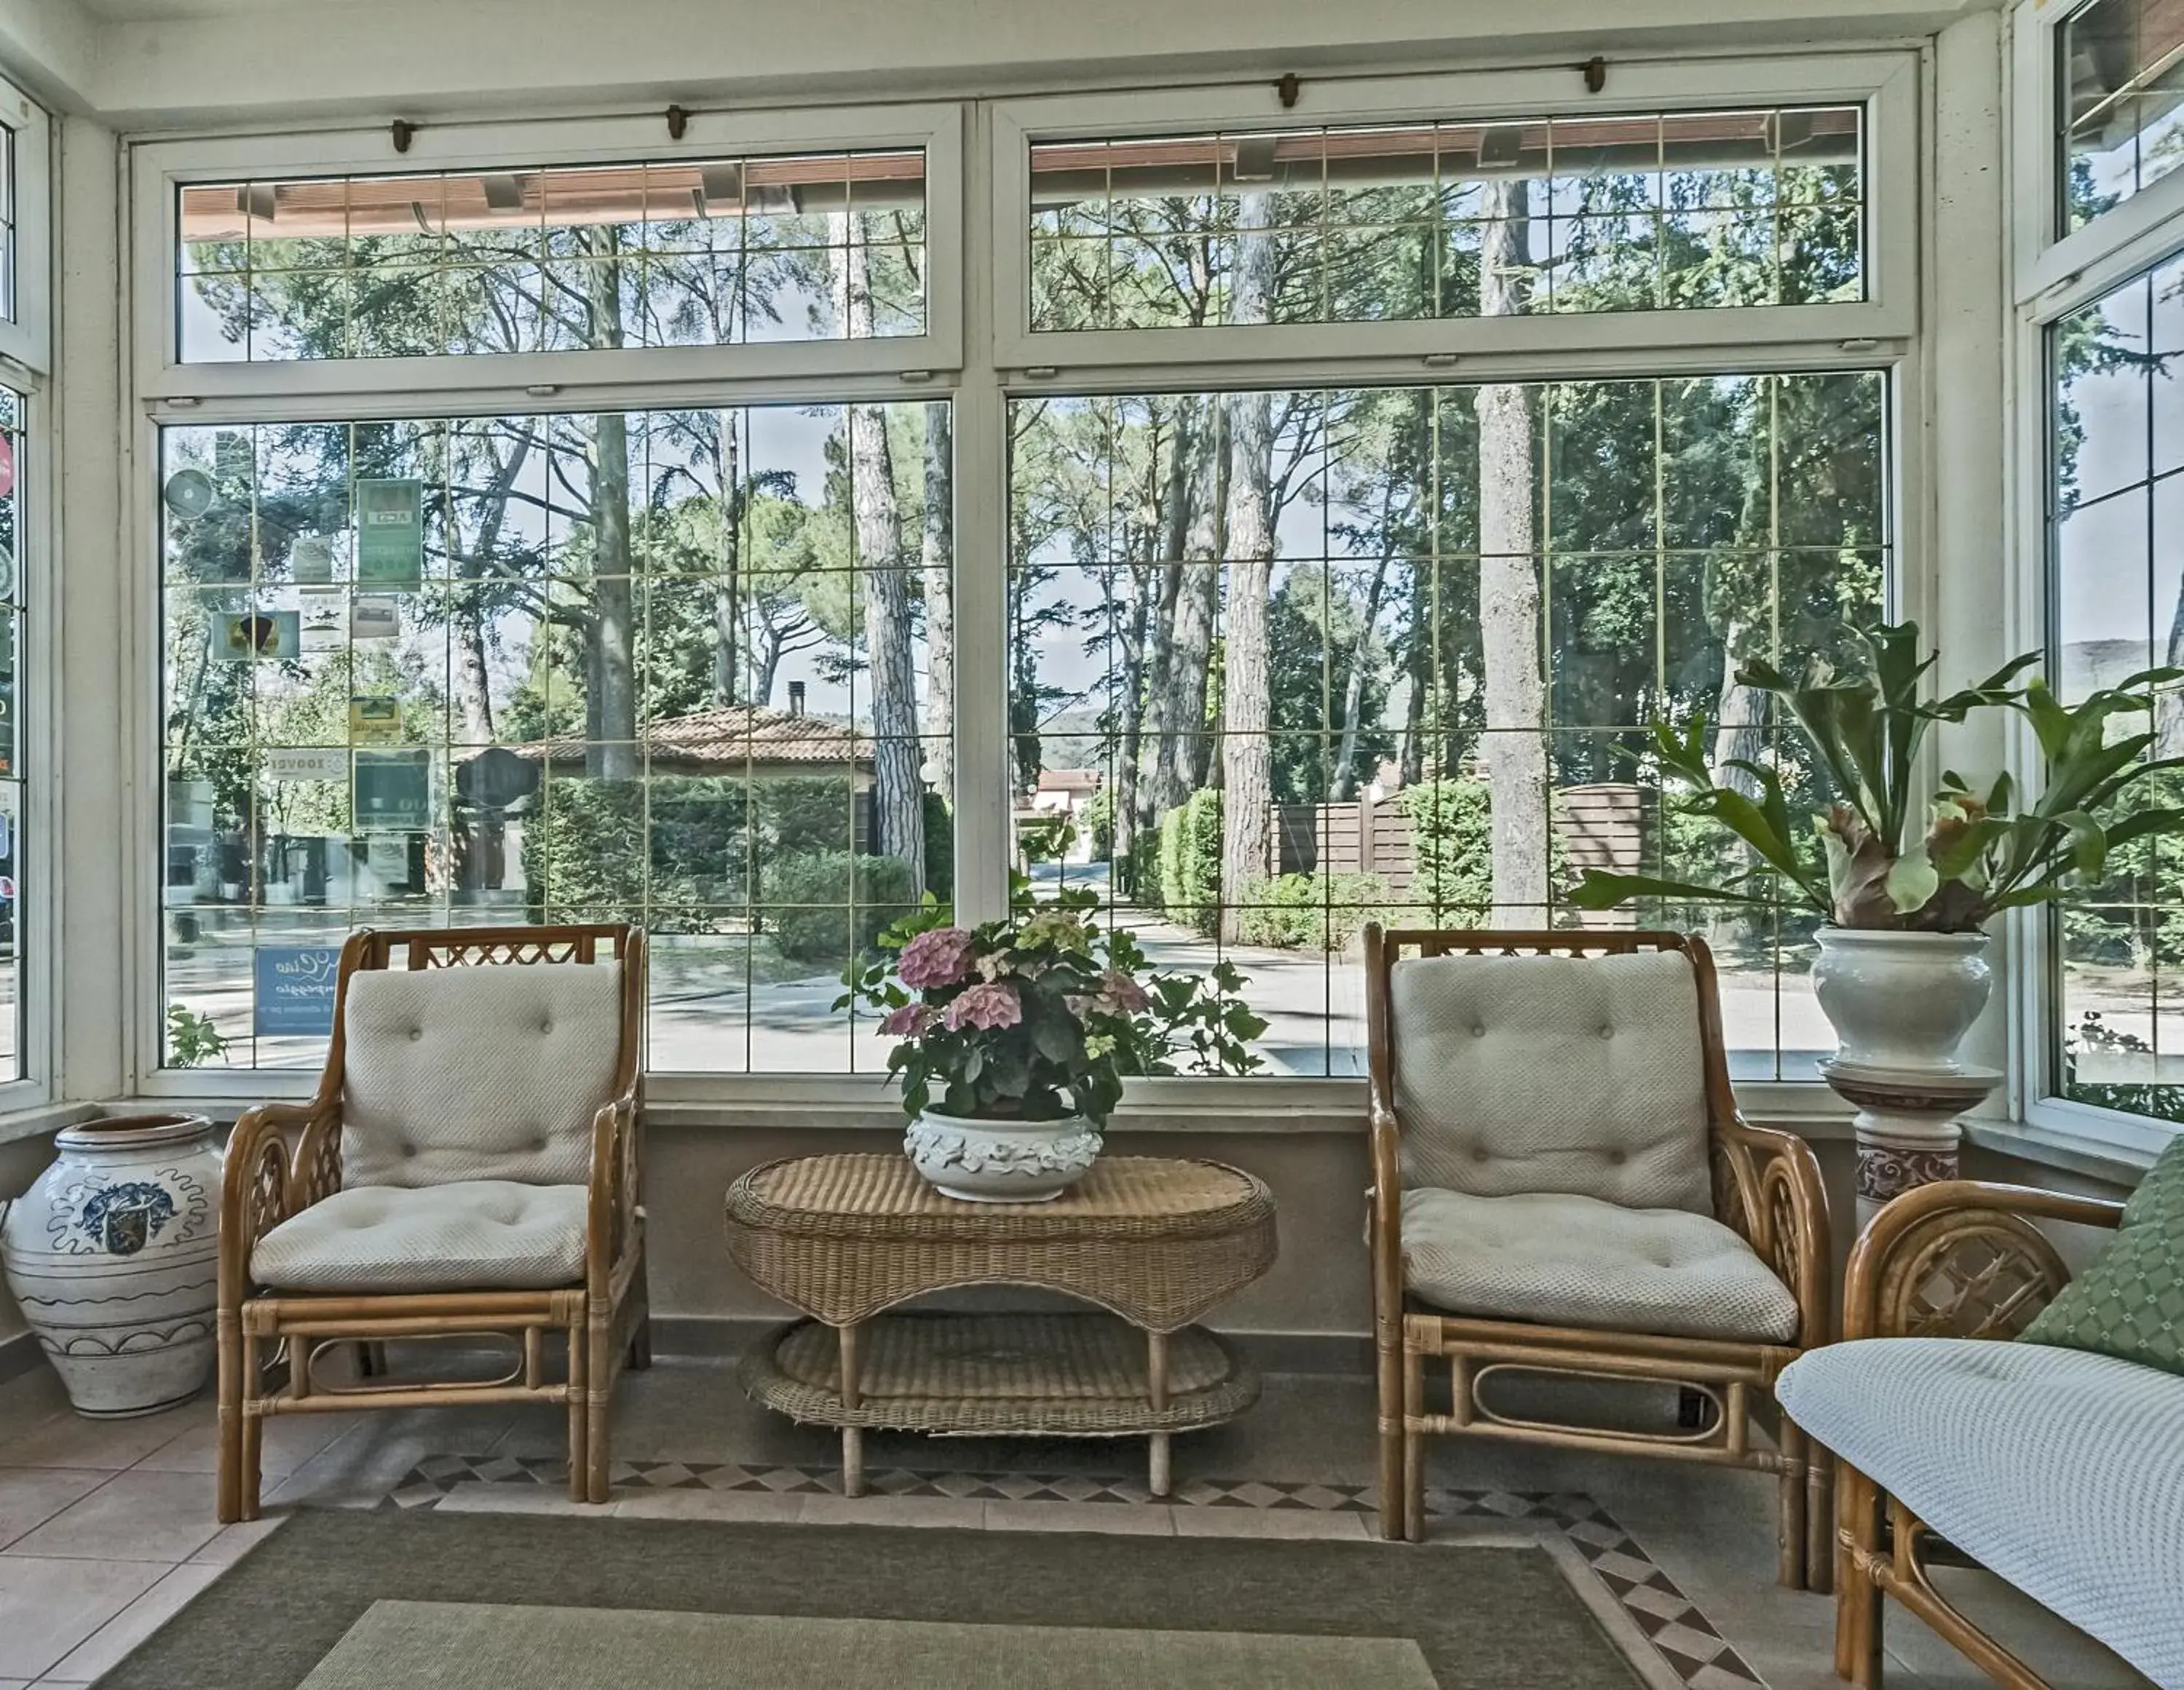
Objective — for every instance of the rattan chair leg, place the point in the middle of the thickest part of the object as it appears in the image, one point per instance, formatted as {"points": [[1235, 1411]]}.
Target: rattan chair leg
{"points": [[598, 1387], [1414, 1453], [1857, 1599], [1391, 1471], [228, 1504], [1819, 1520], [1790, 1526], [248, 1434], [579, 1444]]}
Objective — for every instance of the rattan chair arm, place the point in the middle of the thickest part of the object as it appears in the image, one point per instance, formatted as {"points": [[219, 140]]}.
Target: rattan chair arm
{"points": [[1916, 1231], [260, 1186], [1385, 1218], [1786, 1219], [611, 1214]]}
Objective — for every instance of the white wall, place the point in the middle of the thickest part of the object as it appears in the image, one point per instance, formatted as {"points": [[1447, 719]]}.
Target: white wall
{"points": [[413, 57]]}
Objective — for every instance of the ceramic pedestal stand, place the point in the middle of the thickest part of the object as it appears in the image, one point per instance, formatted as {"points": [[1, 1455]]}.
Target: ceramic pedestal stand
{"points": [[1907, 1128]]}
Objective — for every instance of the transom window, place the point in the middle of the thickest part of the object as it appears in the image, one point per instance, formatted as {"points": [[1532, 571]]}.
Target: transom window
{"points": [[2121, 103]]}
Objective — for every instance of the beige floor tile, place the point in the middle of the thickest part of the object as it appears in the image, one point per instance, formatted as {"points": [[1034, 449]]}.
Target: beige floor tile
{"points": [[287, 1442], [230, 1543], [520, 1499], [740, 1506], [1268, 1522], [879, 1511], [48, 1607], [132, 1517], [1128, 1519], [65, 1438], [30, 1496], [105, 1647], [356, 1471]]}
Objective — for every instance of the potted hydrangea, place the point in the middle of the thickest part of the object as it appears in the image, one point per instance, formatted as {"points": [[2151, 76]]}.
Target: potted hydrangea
{"points": [[1015, 1038]]}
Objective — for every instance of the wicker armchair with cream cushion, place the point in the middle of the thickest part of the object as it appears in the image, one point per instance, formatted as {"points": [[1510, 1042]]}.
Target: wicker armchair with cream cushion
{"points": [[1562, 1184], [469, 1167]]}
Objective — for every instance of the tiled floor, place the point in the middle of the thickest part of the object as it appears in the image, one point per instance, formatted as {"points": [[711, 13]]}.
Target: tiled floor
{"points": [[107, 1528]]}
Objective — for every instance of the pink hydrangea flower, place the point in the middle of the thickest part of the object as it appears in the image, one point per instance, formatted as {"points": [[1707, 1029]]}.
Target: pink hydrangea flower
{"points": [[909, 1022], [1123, 992], [938, 957], [983, 1006]]}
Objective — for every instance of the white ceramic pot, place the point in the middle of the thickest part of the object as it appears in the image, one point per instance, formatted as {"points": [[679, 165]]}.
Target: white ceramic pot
{"points": [[1001, 1161], [114, 1254], [1902, 1002]]}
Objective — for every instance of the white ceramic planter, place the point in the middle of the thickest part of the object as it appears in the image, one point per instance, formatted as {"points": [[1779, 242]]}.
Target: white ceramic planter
{"points": [[114, 1254], [1001, 1161], [1902, 1003]]}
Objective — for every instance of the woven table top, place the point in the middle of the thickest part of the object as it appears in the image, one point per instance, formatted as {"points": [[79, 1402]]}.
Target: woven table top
{"points": [[875, 1198]]}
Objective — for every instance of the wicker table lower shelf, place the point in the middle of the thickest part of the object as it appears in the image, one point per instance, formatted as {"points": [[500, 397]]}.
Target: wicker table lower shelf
{"points": [[1054, 1374]]}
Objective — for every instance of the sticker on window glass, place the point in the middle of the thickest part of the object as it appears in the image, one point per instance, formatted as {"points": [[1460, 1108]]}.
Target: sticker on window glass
{"points": [[325, 619], [393, 791], [311, 560], [304, 763], [375, 618], [257, 637], [374, 719], [390, 535], [295, 989]]}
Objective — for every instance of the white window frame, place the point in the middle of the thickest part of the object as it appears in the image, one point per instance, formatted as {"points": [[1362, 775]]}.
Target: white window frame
{"points": [[1885, 84], [160, 171], [2052, 277], [26, 337]]}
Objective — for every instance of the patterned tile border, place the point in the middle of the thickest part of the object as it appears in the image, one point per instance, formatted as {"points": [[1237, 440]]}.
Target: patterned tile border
{"points": [[1685, 1638]]}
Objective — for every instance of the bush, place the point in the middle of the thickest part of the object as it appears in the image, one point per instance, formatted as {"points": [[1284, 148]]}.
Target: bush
{"points": [[1451, 849], [939, 848], [828, 906], [1190, 862], [802, 814], [1100, 823], [1310, 912]]}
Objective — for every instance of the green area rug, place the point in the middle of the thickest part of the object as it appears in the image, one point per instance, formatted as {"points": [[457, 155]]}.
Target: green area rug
{"points": [[339, 1600]]}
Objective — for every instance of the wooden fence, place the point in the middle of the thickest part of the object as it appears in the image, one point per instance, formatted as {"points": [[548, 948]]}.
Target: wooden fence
{"points": [[1599, 827]]}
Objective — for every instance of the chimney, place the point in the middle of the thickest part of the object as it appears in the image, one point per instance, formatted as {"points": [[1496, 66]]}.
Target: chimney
{"points": [[795, 697]]}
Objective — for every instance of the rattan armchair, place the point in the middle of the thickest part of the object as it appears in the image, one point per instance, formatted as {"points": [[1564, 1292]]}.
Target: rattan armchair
{"points": [[469, 1169], [1537, 1097], [1961, 1260]]}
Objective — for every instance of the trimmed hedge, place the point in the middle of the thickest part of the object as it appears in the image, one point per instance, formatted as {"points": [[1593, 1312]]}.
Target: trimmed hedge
{"points": [[1451, 849], [826, 906], [1190, 862], [1310, 912]]}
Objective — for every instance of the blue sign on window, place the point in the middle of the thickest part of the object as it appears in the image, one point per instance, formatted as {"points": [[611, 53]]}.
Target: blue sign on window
{"points": [[295, 989]]}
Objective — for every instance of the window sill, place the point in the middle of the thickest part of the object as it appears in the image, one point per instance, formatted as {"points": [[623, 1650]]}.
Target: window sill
{"points": [[36, 1122], [2071, 1152]]}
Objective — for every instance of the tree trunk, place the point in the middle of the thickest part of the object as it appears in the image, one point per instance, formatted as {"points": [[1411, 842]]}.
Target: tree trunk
{"points": [[1247, 764], [1740, 723], [1343, 786], [1153, 798], [611, 721], [1123, 807], [727, 643], [937, 572], [898, 791], [1182, 722], [473, 687], [1509, 592], [2168, 703]]}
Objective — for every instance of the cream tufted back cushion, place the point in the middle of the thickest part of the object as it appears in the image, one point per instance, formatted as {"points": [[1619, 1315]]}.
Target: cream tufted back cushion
{"points": [[491, 1071], [1581, 1076]]}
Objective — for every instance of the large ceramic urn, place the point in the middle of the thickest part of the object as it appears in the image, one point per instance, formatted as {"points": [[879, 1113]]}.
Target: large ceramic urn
{"points": [[114, 1256], [1001, 1161], [1901, 1004]]}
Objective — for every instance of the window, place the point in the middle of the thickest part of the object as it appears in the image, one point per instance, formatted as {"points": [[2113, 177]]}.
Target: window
{"points": [[715, 251], [671, 667], [14, 641], [1342, 224], [1420, 633], [2119, 65], [2116, 551]]}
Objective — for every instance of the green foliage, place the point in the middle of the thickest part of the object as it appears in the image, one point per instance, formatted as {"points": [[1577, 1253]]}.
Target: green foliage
{"points": [[1047, 840], [584, 851], [832, 906], [1451, 849], [1064, 1014], [1100, 823], [1310, 912], [939, 848], [1190, 862], [1975, 858], [193, 1040]]}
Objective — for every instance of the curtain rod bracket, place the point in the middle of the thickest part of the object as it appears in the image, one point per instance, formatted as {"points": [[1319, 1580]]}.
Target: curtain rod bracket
{"points": [[678, 121], [1595, 72], [1288, 88], [402, 131]]}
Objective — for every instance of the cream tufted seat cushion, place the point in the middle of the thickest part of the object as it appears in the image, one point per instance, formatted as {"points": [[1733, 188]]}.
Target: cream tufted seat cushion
{"points": [[474, 1235], [488, 1072], [1577, 1074], [1560, 1260], [2060, 1470]]}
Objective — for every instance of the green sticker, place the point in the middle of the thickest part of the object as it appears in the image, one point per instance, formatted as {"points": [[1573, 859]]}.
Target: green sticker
{"points": [[394, 791], [390, 533]]}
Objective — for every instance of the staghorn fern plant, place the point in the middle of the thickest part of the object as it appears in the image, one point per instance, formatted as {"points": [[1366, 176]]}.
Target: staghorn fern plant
{"points": [[1890, 862]]}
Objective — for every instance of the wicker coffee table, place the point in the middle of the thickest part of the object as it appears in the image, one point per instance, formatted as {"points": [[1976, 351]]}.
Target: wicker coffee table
{"points": [[1155, 1242]]}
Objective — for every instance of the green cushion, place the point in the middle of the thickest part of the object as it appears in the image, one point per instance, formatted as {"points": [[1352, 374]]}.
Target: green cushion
{"points": [[2130, 1303]]}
